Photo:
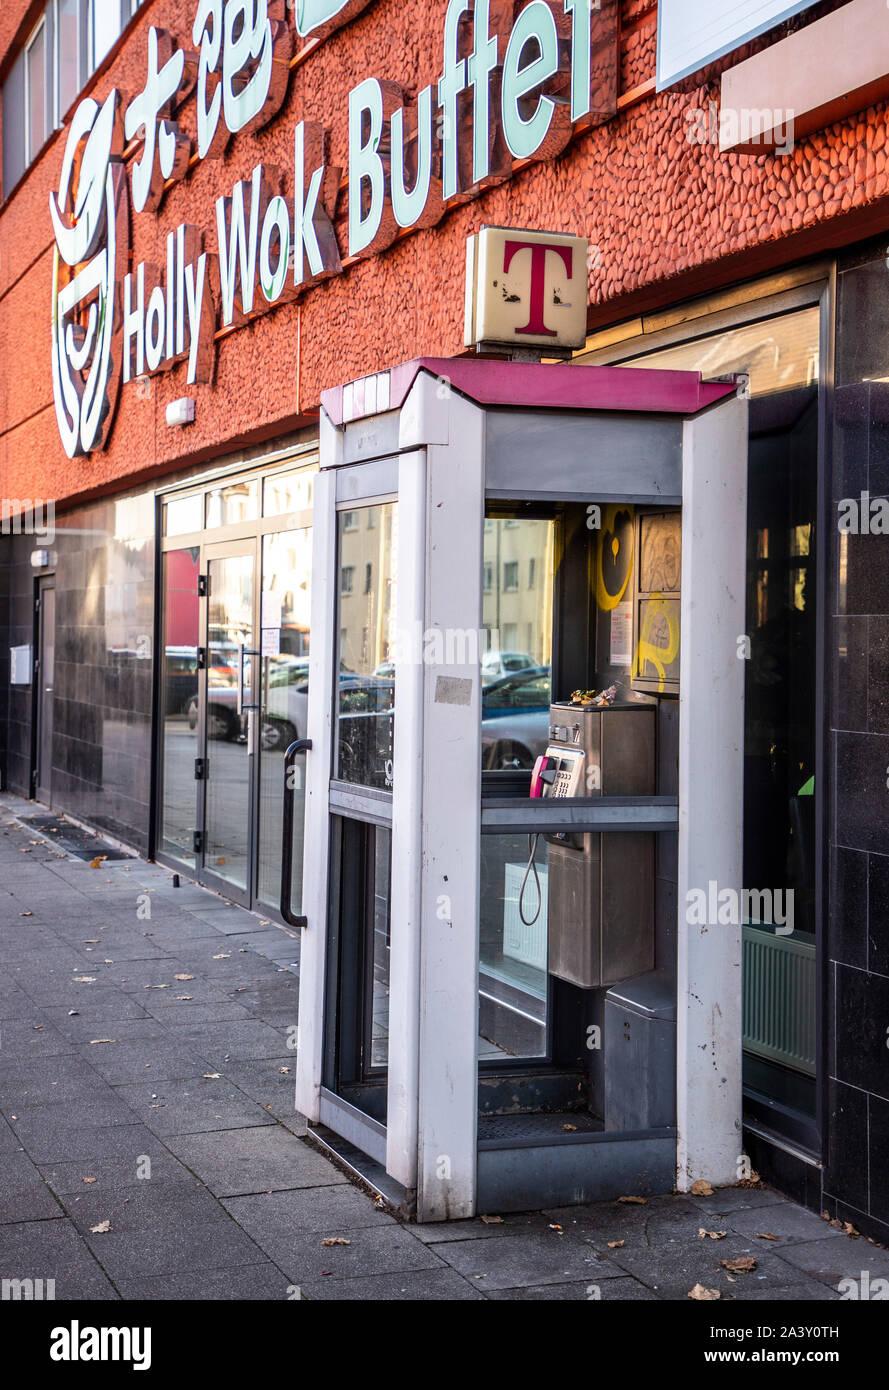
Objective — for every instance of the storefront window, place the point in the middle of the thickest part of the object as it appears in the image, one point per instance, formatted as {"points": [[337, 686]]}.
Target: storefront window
{"points": [[283, 493], [182, 515], [233, 503], [367, 654]]}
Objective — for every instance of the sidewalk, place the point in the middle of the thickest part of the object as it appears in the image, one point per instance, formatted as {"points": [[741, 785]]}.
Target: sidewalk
{"points": [[149, 1148]]}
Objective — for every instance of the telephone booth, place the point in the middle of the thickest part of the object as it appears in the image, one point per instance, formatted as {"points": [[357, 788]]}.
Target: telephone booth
{"points": [[525, 714]]}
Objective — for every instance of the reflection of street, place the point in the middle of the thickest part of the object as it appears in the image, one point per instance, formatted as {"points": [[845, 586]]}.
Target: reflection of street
{"points": [[228, 829]]}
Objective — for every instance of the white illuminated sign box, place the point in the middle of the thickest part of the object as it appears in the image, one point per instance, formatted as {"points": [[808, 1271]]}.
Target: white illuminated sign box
{"points": [[526, 289], [693, 33]]}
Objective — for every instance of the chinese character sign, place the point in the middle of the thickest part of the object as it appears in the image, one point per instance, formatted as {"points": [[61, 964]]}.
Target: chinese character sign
{"points": [[90, 220]]}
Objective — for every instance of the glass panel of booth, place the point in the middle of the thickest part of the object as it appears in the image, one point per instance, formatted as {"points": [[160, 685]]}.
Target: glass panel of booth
{"points": [[365, 700]]}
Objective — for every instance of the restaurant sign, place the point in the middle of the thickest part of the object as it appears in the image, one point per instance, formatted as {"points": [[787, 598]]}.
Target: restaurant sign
{"points": [[517, 80]]}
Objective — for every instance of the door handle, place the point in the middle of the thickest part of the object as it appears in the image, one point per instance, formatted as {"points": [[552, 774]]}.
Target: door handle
{"points": [[302, 745], [242, 703]]}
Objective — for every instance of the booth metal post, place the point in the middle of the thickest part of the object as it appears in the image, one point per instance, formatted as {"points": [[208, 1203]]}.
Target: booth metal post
{"points": [[316, 851], [711, 784], [451, 829], [407, 806]]}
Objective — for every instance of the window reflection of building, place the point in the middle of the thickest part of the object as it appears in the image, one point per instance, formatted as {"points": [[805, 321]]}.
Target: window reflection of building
{"points": [[368, 537], [516, 615]]}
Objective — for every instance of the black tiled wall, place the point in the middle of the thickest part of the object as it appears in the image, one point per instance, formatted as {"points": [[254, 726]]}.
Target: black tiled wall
{"points": [[856, 1173], [104, 573]]}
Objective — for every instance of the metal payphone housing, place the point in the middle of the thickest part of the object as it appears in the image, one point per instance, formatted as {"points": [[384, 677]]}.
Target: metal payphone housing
{"points": [[601, 886]]}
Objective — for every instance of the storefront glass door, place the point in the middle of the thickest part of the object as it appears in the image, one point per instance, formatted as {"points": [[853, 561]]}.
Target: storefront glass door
{"points": [[231, 718], [236, 581]]}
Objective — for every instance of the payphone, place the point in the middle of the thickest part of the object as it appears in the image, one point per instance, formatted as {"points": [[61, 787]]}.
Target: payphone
{"points": [[601, 886]]}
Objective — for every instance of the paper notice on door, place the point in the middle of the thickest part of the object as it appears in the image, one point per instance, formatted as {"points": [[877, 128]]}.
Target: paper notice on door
{"points": [[271, 641], [622, 635], [271, 608]]}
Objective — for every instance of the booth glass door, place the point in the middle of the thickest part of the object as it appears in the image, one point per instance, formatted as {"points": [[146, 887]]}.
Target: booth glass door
{"points": [[230, 723]]}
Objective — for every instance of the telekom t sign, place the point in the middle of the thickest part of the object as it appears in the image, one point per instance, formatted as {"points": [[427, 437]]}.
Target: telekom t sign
{"points": [[526, 289]]}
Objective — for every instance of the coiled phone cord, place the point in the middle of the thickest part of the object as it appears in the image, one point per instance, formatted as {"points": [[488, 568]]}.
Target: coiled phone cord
{"points": [[531, 868]]}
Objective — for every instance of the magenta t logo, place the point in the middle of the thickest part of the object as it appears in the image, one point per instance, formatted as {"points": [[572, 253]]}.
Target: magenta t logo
{"points": [[536, 325]]}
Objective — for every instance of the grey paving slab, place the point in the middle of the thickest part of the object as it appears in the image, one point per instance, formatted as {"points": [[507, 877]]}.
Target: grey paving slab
{"points": [[789, 1223], [51, 1133], [181, 1013], [236, 1041], [245, 1283], [270, 1082], [53, 1250], [510, 1224], [145, 1160], [26, 1039], [417, 1285], [674, 1264], [186, 1245], [261, 1160], [76, 1020], [24, 1196], [832, 1260], [725, 1199], [193, 1106], [277, 1218], [141, 1206], [525, 1260], [623, 1290], [371, 1251], [45, 1080], [155, 1058]]}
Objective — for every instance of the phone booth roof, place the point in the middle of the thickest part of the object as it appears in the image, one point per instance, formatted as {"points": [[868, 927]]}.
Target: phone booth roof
{"points": [[534, 386]]}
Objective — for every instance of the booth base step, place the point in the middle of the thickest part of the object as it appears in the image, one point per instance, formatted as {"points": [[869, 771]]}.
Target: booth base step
{"points": [[502, 1129], [371, 1175]]}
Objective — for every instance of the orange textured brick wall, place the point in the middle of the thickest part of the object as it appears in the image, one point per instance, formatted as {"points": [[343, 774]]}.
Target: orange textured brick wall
{"points": [[670, 218]]}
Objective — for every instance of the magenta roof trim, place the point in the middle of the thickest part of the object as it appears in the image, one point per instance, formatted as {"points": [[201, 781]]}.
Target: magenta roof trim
{"points": [[562, 386]]}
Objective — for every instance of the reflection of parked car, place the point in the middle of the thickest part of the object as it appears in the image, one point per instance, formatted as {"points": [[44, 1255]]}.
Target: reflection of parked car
{"points": [[180, 678], [496, 664], [515, 719]]}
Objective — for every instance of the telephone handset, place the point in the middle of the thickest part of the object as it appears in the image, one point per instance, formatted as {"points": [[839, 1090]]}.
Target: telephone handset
{"points": [[558, 772]]}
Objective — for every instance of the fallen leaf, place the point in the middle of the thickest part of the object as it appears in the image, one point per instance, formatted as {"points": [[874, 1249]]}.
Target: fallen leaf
{"points": [[223, 955], [704, 1295], [766, 1235], [850, 1229], [26, 914], [87, 1179], [183, 977], [554, 1226], [185, 996], [572, 1128], [211, 1075], [745, 1264], [93, 1041], [336, 1240], [615, 1244], [97, 862], [701, 1188], [712, 1235], [102, 1229], [84, 980], [284, 1070], [634, 1201], [90, 941], [492, 1220], [753, 1181]]}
